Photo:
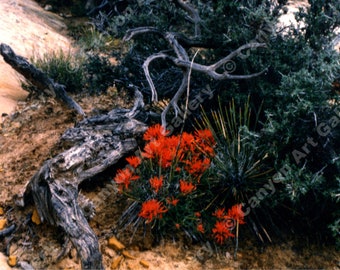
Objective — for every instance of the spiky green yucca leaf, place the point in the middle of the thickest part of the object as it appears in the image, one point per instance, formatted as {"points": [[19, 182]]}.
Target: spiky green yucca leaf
{"points": [[238, 164], [239, 170]]}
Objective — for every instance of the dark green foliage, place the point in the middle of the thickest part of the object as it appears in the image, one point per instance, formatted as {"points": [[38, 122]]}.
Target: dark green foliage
{"points": [[63, 68], [222, 23], [99, 74], [296, 91], [75, 7], [88, 73], [90, 39]]}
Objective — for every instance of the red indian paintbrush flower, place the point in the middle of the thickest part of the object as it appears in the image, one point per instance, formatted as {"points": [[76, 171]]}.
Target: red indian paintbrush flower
{"points": [[200, 228], [124, 177], [197, 167], [236, 213], [156, 183], [172, 201], [155, 132], [205, 136], [152, 150], [220, 232], [134, 161], [167, 156], [188, 142], [220, 213], [186, 187], [152, 209]]}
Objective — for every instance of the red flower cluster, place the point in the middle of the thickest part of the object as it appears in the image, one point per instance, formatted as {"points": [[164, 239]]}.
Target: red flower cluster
{"points": [[226, 222], [134, 161], [170, 169], [152, 209], [124, 177], [154, 133], [193, 152], [186, 187], [179, 161], [156, 183], [221, 232], [236, 213]]}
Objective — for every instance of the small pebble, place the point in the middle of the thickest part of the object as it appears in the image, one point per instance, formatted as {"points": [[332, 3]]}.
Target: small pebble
{"points": [[3, 223], [114, 243], [48, 8], [144, 263], [115, 263], [12, 260]]}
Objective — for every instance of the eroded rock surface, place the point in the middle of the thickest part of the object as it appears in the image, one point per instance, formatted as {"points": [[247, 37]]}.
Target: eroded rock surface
{"points": [[29, 30]]}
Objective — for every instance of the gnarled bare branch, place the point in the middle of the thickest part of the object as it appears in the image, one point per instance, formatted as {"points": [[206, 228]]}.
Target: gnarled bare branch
{"points": [[154, 95], [194, 15], [131, 33], [182, 60]]}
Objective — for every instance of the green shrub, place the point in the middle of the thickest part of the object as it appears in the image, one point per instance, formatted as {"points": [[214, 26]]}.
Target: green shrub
{"points": [[63, 68], [91, 39], [81, 72], [99, 74]]}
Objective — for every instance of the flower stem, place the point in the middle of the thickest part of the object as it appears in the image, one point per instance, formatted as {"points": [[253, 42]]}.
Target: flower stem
{"points": [[236, 241]]}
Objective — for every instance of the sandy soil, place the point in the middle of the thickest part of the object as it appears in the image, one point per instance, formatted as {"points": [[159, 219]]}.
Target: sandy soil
{"points": [[29, 30]]}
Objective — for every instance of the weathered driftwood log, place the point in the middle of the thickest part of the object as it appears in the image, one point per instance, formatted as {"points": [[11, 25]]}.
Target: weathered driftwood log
{"points": [[95, 144], [38, 78]]}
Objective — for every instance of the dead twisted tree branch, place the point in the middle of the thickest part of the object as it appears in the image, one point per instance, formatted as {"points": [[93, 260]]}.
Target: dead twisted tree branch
{"points": [[182, 60], [193, 17], [94, 145]]}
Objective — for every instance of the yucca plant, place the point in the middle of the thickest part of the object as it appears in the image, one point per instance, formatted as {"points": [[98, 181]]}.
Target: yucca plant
{"points": [[239, 169], [238, 164]]}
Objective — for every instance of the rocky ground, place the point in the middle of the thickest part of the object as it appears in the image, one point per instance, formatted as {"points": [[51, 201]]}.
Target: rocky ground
{"points": [[31, 135]]}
